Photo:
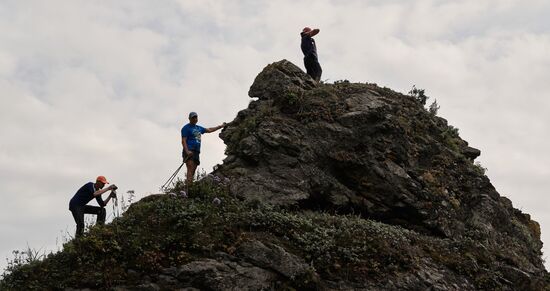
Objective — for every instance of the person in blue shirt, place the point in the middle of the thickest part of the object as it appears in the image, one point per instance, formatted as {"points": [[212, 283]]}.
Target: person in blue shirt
{"points": [[85, 194], [191, 142], [311, 60]]}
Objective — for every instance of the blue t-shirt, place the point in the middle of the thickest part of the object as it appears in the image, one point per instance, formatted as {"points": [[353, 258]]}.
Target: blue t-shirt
{"points": [[84, 195], [192, 134]]}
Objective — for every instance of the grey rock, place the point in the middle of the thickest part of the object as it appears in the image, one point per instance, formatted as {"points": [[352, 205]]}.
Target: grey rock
{"points": [[145, 287], [172, 271], [250, 147], [365, 102], [279, 77], [396, 169], [471, 152], [167, 281], [219, 275], [369, 151], [274, 257]]}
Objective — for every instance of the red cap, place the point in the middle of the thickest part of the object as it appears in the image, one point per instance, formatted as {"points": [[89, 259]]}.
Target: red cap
{"points": [[306, 29], [102, 179]]}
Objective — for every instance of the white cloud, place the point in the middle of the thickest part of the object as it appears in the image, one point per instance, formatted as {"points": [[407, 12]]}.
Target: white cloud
{"points": [[104, 87]]}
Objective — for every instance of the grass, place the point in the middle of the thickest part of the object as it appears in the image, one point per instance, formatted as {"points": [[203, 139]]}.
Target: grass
{"points": [[165, 230]]}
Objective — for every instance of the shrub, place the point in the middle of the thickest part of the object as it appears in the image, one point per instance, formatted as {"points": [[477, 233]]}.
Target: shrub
{"points": [[419, 95], [434, 107], [480, 168]]}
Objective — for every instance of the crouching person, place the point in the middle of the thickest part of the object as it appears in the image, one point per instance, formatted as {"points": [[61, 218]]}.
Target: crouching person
{"points": [[85, 194]]}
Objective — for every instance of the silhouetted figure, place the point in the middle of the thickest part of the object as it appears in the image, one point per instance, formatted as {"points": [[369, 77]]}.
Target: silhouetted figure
{"points": [[85, 194], [311, 61], [191, 142]]}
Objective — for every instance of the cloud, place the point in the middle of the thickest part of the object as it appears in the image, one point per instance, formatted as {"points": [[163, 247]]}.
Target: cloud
{"points": [[104, 87]]}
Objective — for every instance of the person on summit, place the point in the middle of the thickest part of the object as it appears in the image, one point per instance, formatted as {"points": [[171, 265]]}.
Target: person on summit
{"points": [[85, 194], [191, 142], [311, 61]]}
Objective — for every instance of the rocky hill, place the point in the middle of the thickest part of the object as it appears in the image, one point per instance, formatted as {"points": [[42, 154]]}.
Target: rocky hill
{"points": [[343, 186]]}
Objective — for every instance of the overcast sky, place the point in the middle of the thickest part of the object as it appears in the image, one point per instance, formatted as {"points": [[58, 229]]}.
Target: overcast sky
{"points": [[93, 88]]}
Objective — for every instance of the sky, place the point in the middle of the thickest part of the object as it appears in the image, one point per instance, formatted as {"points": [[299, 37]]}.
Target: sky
{"points": [[92, 88]]}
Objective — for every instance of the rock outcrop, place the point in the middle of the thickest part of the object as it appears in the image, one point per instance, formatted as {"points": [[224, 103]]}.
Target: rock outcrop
{"points": [[342, 186], [362, 149]]}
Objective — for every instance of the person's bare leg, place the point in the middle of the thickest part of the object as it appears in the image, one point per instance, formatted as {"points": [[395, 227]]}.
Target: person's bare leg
{"points": [[190, 171], [193, 171]]}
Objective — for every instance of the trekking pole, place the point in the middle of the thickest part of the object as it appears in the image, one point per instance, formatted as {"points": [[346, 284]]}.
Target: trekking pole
{"points": [[169, 181]]}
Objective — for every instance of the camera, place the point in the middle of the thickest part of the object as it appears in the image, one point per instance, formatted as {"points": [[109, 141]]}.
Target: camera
{"points": [[114, 187]]}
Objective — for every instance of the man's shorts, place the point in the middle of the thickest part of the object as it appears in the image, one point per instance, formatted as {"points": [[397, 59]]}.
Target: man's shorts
{"points": [[195, 157]]}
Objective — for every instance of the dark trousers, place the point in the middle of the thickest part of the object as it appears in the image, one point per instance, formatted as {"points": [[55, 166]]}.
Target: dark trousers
{"points": [[78, 215], [313, 67]]}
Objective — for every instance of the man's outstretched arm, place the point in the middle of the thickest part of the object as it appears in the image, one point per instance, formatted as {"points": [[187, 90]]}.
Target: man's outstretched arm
{"points": [[212, 129]]}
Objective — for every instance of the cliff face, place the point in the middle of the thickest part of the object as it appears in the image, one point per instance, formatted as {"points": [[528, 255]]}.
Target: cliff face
{"points": [[362, 149], [341, 186]]}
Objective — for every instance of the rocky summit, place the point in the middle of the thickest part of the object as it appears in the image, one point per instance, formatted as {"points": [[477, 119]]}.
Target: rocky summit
{"points": [[344, 186]]}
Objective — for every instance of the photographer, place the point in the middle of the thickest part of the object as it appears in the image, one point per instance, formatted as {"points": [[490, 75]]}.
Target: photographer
{"points": [[85, 194]]}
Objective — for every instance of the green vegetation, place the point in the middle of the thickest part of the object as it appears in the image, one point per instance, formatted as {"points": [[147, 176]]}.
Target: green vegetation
{"points": [[451, 138], [480, 168], [320, 103], [434, 108], [293, 98], [419, 95], [27, 256], [244, 129], [345, 81], [166, 230]]}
